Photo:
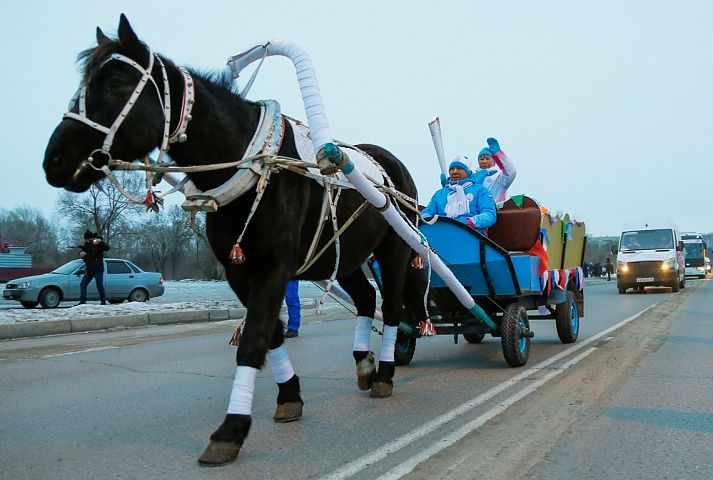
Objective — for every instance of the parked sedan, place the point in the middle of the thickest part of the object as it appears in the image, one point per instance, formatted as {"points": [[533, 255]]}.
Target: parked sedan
{"points": [[122, 281]]}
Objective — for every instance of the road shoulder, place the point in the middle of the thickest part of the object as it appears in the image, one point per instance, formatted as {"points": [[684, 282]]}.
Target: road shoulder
{"points": [[523, 437]]}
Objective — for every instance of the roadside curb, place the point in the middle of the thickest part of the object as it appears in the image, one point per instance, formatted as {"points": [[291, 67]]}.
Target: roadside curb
{"points": [[88, 324], [19, 330]]}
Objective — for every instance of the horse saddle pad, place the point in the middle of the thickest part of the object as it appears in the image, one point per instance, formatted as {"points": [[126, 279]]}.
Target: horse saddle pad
{"points": [[362, 161]]}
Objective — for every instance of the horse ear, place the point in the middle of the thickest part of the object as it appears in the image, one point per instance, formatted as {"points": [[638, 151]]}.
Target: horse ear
{"points": [[101, 38], [135, 48]]}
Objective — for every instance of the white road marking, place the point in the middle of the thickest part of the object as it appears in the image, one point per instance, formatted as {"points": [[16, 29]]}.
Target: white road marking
{"points": [[356, 466], [409, 465], [93, 349]]}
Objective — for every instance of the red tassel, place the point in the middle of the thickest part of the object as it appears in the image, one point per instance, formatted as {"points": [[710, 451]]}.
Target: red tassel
{"points": [[235, 339], [427, 329], [152, 202], [236, 255], [418, 263]]}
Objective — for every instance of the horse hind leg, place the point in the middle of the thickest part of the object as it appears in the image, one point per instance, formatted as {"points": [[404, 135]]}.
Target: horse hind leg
{"points": [[289, 401], [364, 296], [393, 256]]}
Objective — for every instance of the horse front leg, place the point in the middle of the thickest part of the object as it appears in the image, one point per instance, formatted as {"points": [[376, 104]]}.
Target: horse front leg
{"points": [[264, 300], [289, 401]]}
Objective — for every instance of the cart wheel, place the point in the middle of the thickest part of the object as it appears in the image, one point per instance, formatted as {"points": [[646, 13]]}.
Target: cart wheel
{"points": [[567, 318], [404, 348], [515, 328], [474, 337]]}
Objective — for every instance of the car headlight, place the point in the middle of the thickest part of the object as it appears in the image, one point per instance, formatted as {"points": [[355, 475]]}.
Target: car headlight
{"points": [[700, 269], [622, 267], [24, 285], [667, 265]]}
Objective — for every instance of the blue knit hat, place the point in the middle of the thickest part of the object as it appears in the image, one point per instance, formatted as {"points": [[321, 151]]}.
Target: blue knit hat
{"points": [[463, 162], [485, 151]]}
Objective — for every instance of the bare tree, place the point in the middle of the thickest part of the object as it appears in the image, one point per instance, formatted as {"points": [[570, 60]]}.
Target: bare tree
{"points": [[28, 226], [105, 211]]}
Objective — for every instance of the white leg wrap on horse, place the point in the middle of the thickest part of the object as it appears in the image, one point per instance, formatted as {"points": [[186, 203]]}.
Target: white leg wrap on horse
{"points": [[241, 398], [280, 363], [388, 343], [362, 334]]}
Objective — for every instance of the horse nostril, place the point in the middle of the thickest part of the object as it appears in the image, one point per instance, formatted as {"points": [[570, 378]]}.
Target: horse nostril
{"points": [[56, 160], [53, 164]]}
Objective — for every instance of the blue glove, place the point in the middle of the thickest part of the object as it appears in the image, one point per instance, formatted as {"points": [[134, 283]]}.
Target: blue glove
{"points": [[494, 145], [479, 176], [444, 179]]}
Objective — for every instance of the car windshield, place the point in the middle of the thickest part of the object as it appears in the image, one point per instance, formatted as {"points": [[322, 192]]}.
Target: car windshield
{"points": [[68, 268], [647, 240]]}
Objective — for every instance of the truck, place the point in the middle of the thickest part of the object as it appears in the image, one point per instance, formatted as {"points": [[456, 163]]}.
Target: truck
{"points": [[696, 253], [651, 255]]}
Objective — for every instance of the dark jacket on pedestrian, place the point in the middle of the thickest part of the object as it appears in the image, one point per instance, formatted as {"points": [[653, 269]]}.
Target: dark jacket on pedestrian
{"points": [[92, 252]]}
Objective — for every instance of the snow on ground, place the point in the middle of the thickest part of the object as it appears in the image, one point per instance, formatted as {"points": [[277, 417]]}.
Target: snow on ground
{"points": [[184, 295]]}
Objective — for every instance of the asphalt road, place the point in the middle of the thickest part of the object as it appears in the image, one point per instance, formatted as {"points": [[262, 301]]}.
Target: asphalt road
{"points": [[142, 403]]}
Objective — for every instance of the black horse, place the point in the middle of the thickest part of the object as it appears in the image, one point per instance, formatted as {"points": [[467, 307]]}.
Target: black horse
{"points": [[277, 238]]}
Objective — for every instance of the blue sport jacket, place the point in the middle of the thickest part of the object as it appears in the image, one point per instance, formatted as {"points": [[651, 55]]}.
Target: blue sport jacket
{"points": [[481, 214]]}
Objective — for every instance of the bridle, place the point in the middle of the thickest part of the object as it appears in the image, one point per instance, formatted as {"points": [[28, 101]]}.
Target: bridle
{"points": [[178, 134]]}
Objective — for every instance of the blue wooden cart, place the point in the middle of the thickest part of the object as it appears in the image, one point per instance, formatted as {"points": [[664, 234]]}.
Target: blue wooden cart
{"points": [[503, 275]]}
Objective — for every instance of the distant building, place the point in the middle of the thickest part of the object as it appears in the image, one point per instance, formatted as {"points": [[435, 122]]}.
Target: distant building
{"points": [[13, 255], [15, 262]]}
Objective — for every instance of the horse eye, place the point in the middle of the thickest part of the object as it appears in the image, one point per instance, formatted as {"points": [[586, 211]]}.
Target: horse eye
{"points": [[114, 83]]}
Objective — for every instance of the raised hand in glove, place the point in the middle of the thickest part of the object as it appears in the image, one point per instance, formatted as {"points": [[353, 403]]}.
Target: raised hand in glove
{"points": [[493, 145]]}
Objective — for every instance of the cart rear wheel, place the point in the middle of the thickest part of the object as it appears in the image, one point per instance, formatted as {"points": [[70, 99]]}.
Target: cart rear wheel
{"points": [[405, 348], [567, 318], [515, 329], [474, 337]]}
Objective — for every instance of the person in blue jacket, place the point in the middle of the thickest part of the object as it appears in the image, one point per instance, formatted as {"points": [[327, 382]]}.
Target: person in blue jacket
{"points": [[294, 309], [463, 198]]}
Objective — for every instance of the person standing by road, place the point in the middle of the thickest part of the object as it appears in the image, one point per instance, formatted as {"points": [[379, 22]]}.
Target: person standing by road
{"points": [[92, 252], [294, 309], [609, 268]]}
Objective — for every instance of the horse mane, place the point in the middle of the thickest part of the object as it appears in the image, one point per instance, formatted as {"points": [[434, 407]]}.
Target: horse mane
{"points": [[92, 58]]}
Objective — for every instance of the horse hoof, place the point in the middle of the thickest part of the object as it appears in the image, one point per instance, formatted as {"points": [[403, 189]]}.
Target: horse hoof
{"points": [[381, 390], [288, 412], [366, 370], [219, 453]]}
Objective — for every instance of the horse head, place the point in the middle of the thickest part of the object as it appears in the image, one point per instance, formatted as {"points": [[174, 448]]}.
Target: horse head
{"points": [[107, 117]]}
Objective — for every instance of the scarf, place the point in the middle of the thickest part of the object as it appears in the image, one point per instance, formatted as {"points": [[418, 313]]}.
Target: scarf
{"points": [[457, 204]]}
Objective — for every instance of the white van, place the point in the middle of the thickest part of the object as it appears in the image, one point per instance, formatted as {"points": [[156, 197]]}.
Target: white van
{"points": [[650, 256]]}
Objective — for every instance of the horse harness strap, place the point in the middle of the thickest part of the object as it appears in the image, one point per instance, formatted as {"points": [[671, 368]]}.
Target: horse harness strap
{"points": [[178, 135], [310, 261]]}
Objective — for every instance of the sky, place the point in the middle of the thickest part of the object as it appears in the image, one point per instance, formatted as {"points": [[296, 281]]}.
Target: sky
{"points": [[604, 107]]}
